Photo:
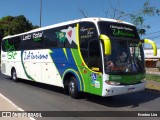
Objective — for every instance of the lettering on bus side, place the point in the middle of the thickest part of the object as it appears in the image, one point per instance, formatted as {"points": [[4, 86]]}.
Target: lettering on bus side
{"points": [[26, 37], [11, 53], [28, 55], [35, 36]]}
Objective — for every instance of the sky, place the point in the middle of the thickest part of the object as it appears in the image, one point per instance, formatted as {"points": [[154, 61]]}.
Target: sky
{"points": [[56, 11]]}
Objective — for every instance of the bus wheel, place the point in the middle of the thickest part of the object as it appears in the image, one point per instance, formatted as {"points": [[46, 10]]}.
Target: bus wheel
{"points": [[14, 75], [73, 88]]}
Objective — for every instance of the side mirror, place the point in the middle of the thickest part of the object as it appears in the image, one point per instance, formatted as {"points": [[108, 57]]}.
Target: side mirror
{"points": [[153, 45], [107, 44]]}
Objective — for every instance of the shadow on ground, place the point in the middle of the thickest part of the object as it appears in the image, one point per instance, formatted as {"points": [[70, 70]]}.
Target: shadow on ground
{"points": [[133, 99]]}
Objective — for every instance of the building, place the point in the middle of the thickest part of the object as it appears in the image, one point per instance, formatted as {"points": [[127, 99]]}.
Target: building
{"points": [[151, 60]]}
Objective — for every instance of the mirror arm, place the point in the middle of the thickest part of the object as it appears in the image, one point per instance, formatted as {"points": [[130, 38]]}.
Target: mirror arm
{"points": [[153, 45], [107, 44]]}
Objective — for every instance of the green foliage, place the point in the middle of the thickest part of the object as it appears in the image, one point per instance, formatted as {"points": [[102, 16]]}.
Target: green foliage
{"points": [[153, 77], [138, 18], [10, 25]]}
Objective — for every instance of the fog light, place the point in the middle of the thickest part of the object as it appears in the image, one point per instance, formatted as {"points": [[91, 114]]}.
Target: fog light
{"points": [[112, 82]]}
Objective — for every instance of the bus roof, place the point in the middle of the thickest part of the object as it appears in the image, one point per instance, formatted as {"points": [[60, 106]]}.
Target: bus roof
{"points": [[93, 19]]}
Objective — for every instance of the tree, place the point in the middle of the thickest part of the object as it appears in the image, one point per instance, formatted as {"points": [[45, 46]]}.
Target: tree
{"points": [[10, 25], [136, 17]]}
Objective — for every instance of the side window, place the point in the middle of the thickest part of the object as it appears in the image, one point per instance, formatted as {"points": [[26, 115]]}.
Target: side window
{"points": [[51, 39], [26, 41], [89, 45], [32, 41], [64, 36], [8, 45], [17, 43], [37, 40], [26, 45], [11, 44], [94, 49], [4, 45]]}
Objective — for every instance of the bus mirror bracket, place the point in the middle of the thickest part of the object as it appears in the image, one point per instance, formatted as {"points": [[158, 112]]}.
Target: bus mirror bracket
{"points": [[107, 44], [153, 45]]}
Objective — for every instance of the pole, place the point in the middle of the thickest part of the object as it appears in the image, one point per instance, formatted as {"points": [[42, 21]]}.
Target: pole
{"points": [[40, 13]]}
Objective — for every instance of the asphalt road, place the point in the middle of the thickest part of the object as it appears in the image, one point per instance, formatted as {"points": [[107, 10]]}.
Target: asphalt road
{"points": [[32, 96]]}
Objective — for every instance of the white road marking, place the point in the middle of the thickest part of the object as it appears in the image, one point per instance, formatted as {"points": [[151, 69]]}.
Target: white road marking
{"points": [[20, 109]]}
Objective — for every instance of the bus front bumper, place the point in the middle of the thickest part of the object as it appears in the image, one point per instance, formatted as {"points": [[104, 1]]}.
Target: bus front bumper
{"points": [[112, 90]]}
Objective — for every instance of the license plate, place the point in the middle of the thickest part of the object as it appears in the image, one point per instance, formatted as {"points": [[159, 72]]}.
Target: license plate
{"points": [[131, 89]]}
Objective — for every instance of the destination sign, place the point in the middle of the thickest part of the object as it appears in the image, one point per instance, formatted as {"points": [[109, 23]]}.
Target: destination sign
{"points": [[113, 29]]}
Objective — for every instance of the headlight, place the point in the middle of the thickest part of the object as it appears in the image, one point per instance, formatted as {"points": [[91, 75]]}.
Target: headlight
{"points": [[112, 82]]}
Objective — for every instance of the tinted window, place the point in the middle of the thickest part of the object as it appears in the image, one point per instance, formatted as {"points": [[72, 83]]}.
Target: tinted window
{"points": [[89, 45], [37, 40], [5, 45], [11, 44], [32, 41], [26, 45], [64, 36], [17, 43], [50, 39]]}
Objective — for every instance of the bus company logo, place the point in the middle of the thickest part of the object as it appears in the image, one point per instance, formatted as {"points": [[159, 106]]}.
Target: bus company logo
{"points": [[31, 55], [11, 52], [34, 36], [69, 33], [61, 36]]}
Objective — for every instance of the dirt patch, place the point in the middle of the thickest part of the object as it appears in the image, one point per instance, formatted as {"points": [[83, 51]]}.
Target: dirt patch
{"points": [[153, 85]]}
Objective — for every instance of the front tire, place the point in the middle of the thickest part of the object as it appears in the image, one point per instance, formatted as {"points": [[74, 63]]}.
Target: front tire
{"points": [[73, 88], [14, 75]]}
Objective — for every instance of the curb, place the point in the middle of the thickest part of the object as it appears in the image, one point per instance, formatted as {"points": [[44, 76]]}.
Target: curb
{"points": [[153, 85]]}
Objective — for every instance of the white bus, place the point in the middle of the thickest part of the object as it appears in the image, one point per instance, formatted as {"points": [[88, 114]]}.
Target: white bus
{"points": [[93, 55]]}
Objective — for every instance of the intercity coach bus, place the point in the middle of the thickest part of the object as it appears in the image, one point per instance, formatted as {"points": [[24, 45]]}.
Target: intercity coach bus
{"points": [[99, 56]]}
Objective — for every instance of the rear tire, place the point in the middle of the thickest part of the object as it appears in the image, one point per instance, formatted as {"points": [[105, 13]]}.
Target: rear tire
{"points": [[73, 88], [14, 75]]}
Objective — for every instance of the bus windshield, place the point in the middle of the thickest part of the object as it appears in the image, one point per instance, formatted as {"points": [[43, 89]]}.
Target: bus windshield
{"points": [[127, 53], [127, 57]]}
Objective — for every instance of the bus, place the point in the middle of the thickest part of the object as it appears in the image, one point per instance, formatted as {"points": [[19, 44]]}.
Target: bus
{"points": [[99, 56]]}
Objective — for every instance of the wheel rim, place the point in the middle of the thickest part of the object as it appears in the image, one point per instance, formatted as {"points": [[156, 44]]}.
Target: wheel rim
{"points": [[71, 87], [14, 75]]}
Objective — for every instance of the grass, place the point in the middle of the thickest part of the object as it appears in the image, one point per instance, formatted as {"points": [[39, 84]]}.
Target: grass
{"points": [[153, 77], [153, 82]]}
